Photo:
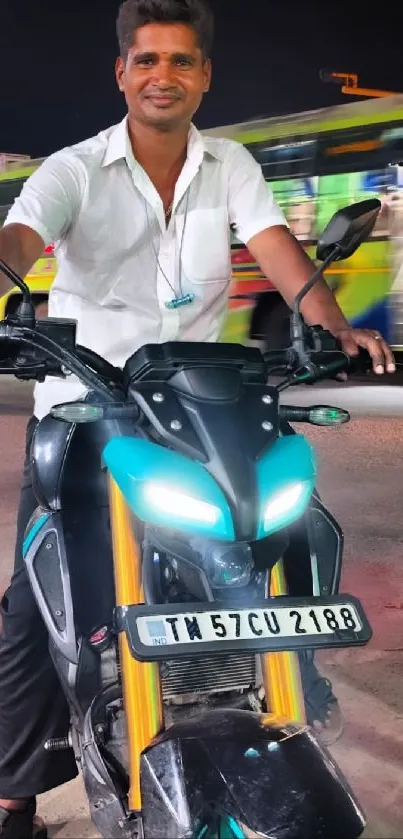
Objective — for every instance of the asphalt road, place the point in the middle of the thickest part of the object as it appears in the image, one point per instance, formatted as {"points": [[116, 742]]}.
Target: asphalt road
{"points": [[360, 480]]}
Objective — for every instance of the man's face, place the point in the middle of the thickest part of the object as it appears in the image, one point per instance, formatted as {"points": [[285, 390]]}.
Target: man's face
{"points": [[165, 76]]}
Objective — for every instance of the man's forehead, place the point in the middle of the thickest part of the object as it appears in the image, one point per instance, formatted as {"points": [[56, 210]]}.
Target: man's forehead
{"points": [[165, 38]]}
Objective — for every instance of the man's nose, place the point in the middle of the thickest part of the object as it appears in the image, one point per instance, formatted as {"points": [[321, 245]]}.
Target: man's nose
{"points": [[164, 74]]}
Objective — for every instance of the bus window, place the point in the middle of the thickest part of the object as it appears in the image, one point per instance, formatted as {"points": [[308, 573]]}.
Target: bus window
{"points": [[9, 191], [359, 149], [293, 159]]}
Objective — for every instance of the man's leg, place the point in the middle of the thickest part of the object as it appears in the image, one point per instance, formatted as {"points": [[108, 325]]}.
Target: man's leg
{"points": [[32, 705]]}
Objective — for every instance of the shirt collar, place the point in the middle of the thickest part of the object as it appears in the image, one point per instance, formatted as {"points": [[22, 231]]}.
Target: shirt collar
{"points": [[119, 147]]}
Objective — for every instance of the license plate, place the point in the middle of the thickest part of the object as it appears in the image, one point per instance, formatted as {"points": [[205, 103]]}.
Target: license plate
{"points": [[159, 632]]}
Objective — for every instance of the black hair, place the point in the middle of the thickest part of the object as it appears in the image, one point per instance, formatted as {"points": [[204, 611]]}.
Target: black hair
{"points": [[135, 13]]}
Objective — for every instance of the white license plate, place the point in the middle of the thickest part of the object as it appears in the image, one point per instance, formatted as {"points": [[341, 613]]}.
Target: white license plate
{"points": [[245, 624], [160, 632]]}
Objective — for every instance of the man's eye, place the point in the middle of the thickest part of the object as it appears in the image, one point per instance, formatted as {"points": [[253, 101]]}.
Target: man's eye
{"points": [[183, 62]]}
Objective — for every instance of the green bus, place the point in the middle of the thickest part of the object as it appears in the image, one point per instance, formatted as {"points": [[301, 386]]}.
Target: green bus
{"points": [[317, 162]]}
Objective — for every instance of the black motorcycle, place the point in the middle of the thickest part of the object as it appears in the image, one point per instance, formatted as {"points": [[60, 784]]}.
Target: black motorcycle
{"points": [[168, 500]]}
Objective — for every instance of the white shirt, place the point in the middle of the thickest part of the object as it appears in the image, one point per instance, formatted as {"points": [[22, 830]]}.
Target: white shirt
{"points": [[106, 219]]}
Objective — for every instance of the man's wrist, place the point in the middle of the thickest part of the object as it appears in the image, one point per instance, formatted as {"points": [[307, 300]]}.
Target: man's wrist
{"points": [[338, 330], [336, 325]]}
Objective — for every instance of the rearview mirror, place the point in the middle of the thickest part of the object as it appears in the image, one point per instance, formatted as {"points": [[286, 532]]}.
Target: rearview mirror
{"points": [[347, 229]]}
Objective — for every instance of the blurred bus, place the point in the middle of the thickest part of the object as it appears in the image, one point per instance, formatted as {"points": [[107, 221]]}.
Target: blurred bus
{"points": [[317, 162]]}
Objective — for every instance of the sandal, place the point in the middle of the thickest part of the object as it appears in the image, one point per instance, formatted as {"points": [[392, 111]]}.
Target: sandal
{"points": [[322, 708], [22, 824]]}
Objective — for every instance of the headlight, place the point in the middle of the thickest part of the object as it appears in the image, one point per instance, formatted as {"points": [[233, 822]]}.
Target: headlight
{"points": [[179, 505], [286, 506]]}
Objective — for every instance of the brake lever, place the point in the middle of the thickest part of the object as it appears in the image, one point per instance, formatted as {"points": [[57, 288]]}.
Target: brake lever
{"points": [[25, 370]]}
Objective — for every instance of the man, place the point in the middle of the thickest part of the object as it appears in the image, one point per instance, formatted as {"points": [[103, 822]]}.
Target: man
{"points": [[140, 215]]}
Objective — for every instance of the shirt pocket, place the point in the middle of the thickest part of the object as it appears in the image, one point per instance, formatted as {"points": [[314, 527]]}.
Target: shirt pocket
{"points": [[204, 239]]}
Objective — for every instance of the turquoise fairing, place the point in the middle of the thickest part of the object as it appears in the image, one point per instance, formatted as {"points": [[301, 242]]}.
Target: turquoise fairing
{"points": [[30, 536], [133, 463], [289, 461]]}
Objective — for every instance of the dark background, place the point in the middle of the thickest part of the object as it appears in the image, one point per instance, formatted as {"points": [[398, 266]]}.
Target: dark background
{"points": [[57, 58]]}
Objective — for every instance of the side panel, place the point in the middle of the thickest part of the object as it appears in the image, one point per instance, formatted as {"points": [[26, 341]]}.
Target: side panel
{"points": [[314, 555], [68, 561], [46, 562], [326, 548]]}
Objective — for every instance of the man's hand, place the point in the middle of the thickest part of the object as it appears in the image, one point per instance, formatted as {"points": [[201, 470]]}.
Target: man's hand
{"points": [[282, 258], [371, 340]]}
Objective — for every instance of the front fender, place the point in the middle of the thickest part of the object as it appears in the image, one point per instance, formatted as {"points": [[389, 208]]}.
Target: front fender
{"points": [[277, 781]]}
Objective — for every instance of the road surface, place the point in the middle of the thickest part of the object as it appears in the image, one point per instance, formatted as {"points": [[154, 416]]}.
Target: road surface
{"points": [[360, 478]]}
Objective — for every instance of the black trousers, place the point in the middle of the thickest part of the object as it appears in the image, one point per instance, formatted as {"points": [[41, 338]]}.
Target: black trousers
{"points": [[32, 705]]}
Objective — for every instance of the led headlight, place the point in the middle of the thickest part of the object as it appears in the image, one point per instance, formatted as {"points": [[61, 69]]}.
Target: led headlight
{"points": [[179, 505], [286, 505]]}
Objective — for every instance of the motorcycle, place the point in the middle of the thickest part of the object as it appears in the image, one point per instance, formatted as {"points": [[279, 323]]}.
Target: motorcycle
{"points": [[166, 499]]}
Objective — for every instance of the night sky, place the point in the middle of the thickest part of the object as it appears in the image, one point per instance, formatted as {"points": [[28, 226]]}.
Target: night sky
{"points": [[57, 58]]}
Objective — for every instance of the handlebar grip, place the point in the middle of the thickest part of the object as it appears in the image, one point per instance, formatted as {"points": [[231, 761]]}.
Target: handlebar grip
{"points": [[327, 365], [361, 363]]}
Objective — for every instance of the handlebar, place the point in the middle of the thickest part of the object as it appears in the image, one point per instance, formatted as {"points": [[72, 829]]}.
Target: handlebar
{"points": [[54, 359], [49, 348], [100, 365], [321, 364]]}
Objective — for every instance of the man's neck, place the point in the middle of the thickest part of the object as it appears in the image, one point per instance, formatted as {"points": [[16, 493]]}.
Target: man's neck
{"points": [[161, 154]]}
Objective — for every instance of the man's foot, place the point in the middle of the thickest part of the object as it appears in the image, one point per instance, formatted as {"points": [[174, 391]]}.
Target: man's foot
{"points": [[322, 708], [330, 730], [22, 824]]}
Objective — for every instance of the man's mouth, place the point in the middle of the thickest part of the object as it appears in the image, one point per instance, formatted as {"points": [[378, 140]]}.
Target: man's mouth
{"points": [[162, 100]]}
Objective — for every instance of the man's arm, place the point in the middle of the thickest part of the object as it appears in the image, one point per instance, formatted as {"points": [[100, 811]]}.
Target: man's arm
{"points": [[284, 261], [20, 247], [259, 222], [42, 214]]}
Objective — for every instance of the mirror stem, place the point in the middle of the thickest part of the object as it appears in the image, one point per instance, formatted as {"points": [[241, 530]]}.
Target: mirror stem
{"points": [[26, 309], [296, 321], [11, 275], [307, 287]]}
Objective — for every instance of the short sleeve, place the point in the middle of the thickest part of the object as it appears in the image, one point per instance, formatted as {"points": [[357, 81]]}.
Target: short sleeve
{"points": [[252, 207], [50, 198]]}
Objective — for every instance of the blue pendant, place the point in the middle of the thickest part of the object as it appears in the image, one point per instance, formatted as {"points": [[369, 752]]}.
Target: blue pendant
{"points": [[185, 300]]}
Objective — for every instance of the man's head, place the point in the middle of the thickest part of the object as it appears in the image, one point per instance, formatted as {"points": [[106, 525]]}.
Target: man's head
{"points": [[164, 65]]}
